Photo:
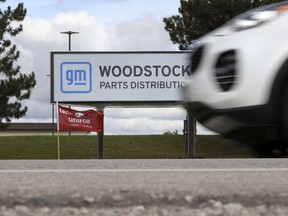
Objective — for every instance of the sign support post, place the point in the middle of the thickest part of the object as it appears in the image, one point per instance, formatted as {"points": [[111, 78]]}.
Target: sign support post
{"points": [[191, 121], [100, 138]]}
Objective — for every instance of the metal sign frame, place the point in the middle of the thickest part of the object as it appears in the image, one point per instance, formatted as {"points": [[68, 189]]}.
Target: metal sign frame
{"points": [[177, 68]]}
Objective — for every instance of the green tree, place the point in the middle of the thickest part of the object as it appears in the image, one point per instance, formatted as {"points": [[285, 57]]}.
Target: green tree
{"points": [[198, 17], [14, 85]]}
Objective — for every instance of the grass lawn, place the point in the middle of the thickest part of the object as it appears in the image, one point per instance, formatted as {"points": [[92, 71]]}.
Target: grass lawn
{"points": [[118, 147]]}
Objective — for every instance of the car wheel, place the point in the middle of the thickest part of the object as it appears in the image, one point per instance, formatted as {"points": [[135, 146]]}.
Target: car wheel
{"points": [[272, 149], [284, 117]]}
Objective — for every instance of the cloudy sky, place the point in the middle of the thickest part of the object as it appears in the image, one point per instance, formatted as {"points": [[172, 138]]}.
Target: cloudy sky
{"points": [[103, 25]]}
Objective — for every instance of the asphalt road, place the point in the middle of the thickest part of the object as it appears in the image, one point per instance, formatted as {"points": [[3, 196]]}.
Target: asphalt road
{"points": [[144, 187]]}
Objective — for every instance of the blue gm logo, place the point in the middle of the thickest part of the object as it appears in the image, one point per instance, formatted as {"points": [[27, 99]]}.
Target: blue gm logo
{"points": [[76, 77]]}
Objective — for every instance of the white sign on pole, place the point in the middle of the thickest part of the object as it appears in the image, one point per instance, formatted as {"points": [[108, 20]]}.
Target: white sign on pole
{"points": [[88, 77]]}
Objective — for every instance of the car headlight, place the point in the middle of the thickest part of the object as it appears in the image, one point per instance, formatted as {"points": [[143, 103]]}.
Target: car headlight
{"points": [[253, 18]]}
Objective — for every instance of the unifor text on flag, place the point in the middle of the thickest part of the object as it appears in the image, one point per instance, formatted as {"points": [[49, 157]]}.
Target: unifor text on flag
{"points": [[70, 119]]}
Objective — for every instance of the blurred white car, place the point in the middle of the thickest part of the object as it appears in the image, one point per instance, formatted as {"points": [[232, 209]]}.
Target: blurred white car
{"points": [[239, 81]]}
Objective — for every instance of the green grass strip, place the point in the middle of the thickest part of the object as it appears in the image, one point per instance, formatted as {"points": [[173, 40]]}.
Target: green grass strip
{"points": [[118, 147]]}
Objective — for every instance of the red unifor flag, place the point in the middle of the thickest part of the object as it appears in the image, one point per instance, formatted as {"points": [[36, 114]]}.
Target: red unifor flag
{"points": [[70, 119]]}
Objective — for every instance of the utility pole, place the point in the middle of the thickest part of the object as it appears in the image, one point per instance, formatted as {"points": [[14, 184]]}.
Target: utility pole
{"points": [[69, 33]]}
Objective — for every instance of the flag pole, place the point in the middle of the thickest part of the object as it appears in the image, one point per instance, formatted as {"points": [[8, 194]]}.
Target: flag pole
{"points": [[58, 134], [58, 141]]}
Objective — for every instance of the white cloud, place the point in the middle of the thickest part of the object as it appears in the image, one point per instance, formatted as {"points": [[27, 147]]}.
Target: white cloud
{"points": [[143, 33], [143, 120], [153, 113], [141, 125]]}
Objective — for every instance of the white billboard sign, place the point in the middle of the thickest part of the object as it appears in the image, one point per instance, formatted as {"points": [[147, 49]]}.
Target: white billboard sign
{"points": [[118, 77]]}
